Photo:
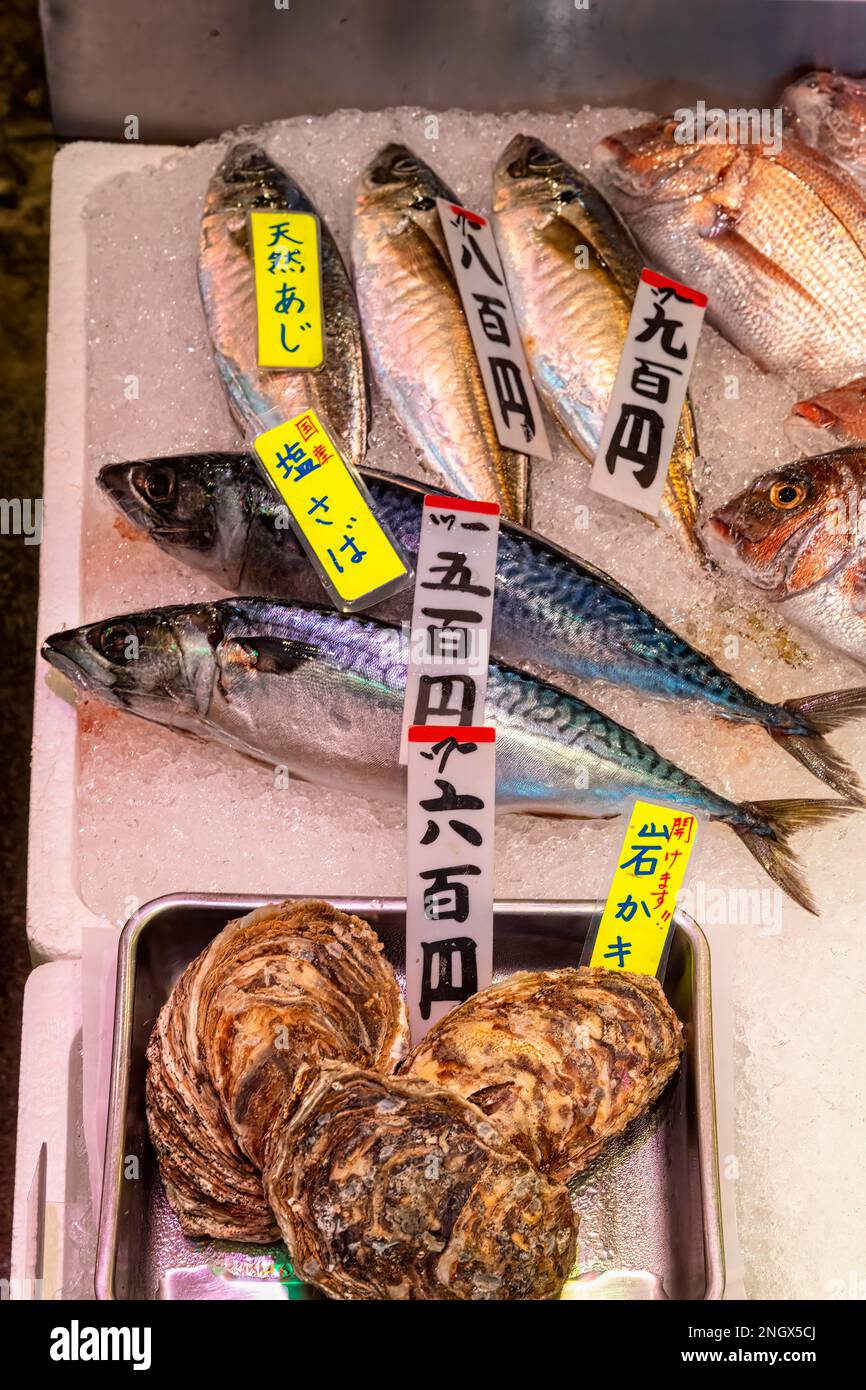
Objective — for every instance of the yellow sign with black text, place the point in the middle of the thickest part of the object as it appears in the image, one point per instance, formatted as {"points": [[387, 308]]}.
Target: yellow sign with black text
{"points": [[355, 555], [638, 916], [287, 263]]}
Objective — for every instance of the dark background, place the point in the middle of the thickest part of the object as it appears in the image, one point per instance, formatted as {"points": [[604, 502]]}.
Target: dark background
{"points": [[26, 150]]}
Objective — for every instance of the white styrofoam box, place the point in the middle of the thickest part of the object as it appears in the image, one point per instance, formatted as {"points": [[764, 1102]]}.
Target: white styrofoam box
{"points": [[57, 916], [55, 912], [56, 1213]]}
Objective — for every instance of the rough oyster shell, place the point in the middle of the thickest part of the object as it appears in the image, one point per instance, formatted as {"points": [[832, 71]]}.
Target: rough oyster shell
{"points": [[241, 1035], [560, 1060], [395, 1188]]}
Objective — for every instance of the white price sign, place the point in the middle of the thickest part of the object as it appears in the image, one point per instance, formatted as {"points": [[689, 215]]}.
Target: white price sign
{"points": [[449, 648], [640, 427], [495, 337], [449, 894]]}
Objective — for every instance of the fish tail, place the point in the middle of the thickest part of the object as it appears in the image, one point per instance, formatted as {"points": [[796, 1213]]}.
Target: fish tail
{"points": [[768, 841], [820, 714]]}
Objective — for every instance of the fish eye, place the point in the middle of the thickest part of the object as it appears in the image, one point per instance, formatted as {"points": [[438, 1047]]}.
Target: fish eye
{"points": [[158, 484], [406, 165], [541, 159], [785, 496], [115, 641]]}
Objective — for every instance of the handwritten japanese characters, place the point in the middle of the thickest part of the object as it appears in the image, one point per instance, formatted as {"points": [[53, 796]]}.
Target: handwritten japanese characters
{"points": [[635, 925], [648, 394], [354, 554], [449, 899], [452, 611], [288, 276], [487, 305]]}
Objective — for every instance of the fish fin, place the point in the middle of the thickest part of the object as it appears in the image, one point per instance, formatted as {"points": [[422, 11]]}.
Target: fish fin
{"points": [[822, 714], [771, 848], [270, 656], [275, 656]]}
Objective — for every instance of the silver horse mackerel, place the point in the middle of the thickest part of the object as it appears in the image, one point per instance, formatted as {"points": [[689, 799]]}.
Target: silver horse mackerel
{"points": [[215, 512], [418, 336], [246, 181], [322, 694]]}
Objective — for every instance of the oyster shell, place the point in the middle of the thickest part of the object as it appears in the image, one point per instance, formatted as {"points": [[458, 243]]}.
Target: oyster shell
{"points": [[560, 1060], [240, 1036], [211, 1185], [395, 1188]]}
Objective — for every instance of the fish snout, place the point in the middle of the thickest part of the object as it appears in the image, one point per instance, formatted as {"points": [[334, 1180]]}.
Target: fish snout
{"points": [[614, 161], [113, 479], [718, 529], [514, 160], [59, 650]]}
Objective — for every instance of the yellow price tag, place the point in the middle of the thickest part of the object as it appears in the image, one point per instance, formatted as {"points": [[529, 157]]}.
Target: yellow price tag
{"points": [[638, 914], [287, 263], [356, 557]]}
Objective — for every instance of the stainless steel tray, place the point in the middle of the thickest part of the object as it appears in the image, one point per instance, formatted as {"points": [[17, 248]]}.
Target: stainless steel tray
{"points": [[650, 1224]]}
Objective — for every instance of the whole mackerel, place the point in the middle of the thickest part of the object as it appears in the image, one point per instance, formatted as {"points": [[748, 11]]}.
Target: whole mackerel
{"points": [[322, 694], [215, 512], [417, 334], [249, 180]]}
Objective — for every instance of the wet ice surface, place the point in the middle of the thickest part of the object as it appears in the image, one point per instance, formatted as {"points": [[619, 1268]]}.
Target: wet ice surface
{"points": [[161, 813]]}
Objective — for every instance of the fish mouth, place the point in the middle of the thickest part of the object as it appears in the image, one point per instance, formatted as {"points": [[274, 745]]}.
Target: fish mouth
{"points": [[810, 412], [809, 425], [726, 542], [59, 650], [720, 540], [115, 480], [617, 165], [719, 530], [245, 162]]}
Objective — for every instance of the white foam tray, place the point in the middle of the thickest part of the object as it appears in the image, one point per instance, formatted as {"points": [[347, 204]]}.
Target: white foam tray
{"points": [[49, 1115], [56, 913]]}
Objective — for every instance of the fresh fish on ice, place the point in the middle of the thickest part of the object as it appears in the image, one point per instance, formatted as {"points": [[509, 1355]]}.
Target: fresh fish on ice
{"points": [[322, 694], [796, 535], [246, 180], [776, 240], [215, 512], [573, 318], [417, 334]]}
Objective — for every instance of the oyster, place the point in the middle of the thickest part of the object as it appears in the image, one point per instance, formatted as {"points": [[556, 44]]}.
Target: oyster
{"points": [[560, 1060], [241, 1035], [395, 1188], [209, 1182]]}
